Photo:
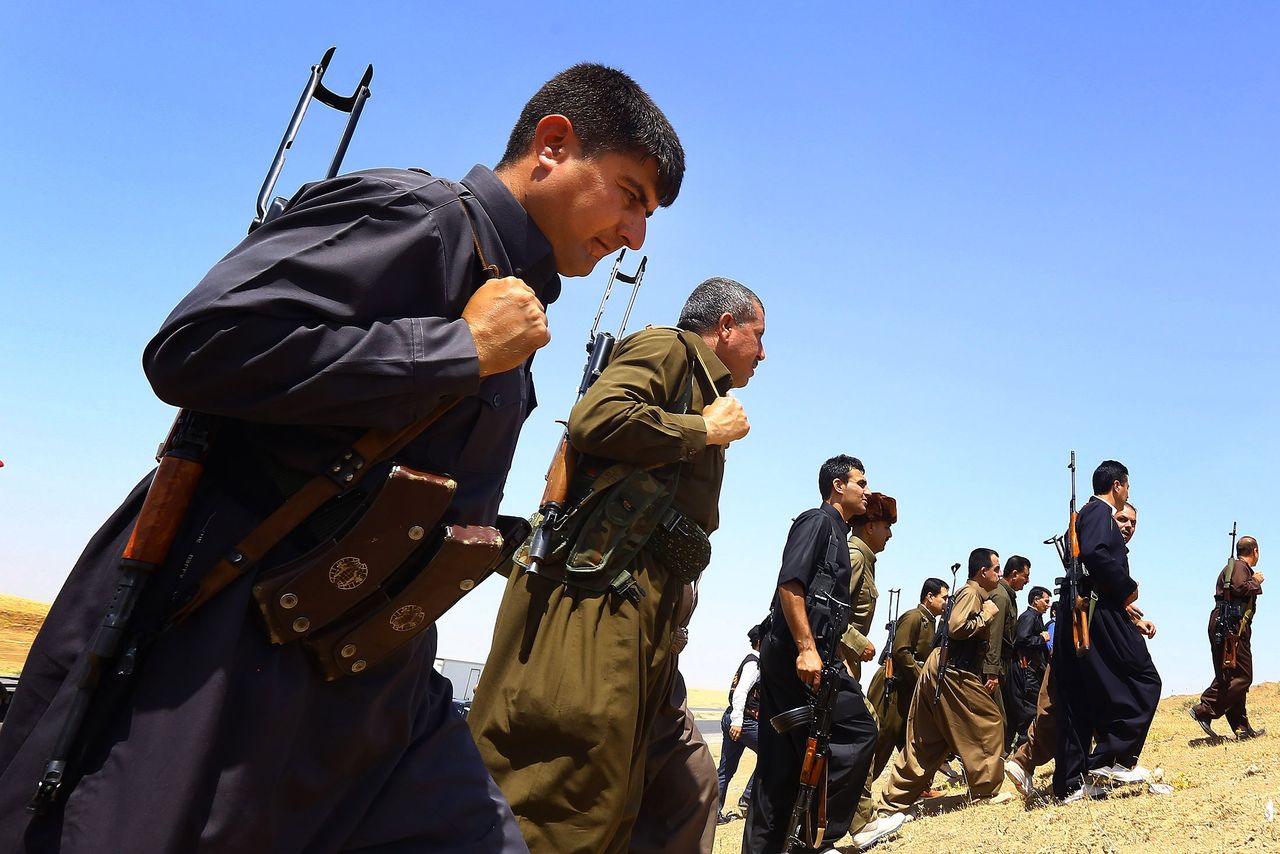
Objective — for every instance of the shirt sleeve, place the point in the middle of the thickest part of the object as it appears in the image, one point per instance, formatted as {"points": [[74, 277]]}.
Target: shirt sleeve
{"points": [[863, 606], [1243, 584], [623, 416], [967, 620], [1029, 629], [905, 638], [808, 532], [305, 322], [746, 681]]}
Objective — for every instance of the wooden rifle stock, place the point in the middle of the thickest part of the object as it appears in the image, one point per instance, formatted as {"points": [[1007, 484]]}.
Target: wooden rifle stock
{"points": [[559, 473], [162, 511]]}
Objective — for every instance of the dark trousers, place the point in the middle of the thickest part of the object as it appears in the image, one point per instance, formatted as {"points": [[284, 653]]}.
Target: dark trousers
{"points": [[1020, 702], [1230, 688], [1109, 693], [780, 755], [731, 754]]}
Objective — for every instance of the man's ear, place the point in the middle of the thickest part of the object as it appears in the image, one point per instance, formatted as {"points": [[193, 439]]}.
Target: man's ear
{"points": [[726, 323], [554, 140]]}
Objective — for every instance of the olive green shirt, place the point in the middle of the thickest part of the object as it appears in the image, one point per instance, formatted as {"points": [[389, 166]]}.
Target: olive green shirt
{"points": [[862, 603], [632, 414], [912, 643], [1004, 628]]}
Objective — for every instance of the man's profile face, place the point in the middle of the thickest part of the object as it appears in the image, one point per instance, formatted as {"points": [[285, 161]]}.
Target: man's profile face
{"points": [[1127, 522], [741, 346], [587, 207], [877, 534], [988, 578], [851, 494], [1019, 579], [1121, 491], [935, 602], [1041, 602]]}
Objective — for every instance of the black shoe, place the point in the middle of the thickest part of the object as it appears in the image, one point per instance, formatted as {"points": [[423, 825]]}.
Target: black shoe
{"points": [[1247, 732], [721, 818], [1204, 725], [744, 805]]}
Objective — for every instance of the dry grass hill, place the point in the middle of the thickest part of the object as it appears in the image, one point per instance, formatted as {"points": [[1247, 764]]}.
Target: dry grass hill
{"points": [[1218, 805], [20, 619]]}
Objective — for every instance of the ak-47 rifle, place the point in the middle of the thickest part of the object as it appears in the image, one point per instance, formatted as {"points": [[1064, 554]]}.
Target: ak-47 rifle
{"points": [[808, 825], [1080, 606], [1225, 632], [886, 655], [944, 636], [553, 509], [113, 646]]}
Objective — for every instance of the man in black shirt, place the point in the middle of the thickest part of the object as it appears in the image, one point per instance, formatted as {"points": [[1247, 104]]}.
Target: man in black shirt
{"points": [[1107, 695], [1030, 655], [371, 300], [816, 556]]}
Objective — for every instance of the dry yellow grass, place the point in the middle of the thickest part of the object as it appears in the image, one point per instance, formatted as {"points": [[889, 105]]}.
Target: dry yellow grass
{"points": [[1221, 791], [20, 619]]}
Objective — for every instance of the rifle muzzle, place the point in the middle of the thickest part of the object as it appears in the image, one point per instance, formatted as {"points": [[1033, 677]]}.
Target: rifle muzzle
{"points": [[793, 718]]}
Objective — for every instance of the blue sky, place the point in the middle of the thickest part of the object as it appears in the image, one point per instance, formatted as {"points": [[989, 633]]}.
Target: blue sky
{"points": [[984, 234]]}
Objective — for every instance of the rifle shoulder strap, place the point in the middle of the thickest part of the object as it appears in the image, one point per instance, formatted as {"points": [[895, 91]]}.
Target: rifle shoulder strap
{"points": [[342, 474]]}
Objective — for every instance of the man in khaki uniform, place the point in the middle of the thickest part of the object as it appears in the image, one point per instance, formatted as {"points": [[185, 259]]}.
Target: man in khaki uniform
{"points": [[579, 681], [965, 721], [912, 643], [869, 534], [997, 666]]}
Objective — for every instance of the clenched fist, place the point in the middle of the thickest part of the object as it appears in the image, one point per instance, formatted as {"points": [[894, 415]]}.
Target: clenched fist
{"points": [[726, 421], [989, 610], [507, 323]]}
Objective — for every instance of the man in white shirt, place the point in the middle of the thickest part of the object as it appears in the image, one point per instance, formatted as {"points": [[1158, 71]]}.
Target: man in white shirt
{"points": [[740, 723]]}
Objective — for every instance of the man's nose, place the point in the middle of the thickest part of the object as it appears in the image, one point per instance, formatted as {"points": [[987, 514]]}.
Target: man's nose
{"points": [[632, 231]]}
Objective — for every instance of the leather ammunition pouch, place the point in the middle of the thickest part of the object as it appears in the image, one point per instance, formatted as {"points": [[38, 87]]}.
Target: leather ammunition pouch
{"points": [[385, 578]]}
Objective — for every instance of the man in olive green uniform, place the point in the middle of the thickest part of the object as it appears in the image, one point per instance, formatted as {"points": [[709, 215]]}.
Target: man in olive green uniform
{"points": [[997, 667], [579, 680], [965, 720], [912, 643], [869, 534]]}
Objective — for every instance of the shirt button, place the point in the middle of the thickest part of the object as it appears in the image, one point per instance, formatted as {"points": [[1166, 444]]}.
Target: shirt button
{"points": [[497, 399]]}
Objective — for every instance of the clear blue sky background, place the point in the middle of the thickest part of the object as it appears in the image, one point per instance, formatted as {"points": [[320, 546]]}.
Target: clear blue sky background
{"points": [[984, 234]]}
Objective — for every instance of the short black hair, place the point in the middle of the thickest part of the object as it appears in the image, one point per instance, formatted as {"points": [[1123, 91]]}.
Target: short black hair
{"points": [[1107, 473], [836, 468], [715, 297], [931, 587], [980, 559], [1015, 564], [1037, 592], [1246, 546], [610, 113]]}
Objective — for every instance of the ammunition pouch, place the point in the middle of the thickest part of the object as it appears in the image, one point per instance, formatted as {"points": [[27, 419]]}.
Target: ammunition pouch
{"points": [[595, 542], [386, 577], [965, 655], [681, 546]]}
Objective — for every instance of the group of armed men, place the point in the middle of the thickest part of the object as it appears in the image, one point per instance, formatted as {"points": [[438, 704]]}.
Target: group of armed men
{"points": [[964, 675], [270, 684]]}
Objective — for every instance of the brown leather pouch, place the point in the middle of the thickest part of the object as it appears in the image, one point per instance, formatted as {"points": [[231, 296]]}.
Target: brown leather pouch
{"points": [[313, 591], [461, 557]]}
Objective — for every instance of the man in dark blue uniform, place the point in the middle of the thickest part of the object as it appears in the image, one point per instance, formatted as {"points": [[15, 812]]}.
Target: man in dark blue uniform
{"points": [[791, 666], [367, 303], [1107, 694]]}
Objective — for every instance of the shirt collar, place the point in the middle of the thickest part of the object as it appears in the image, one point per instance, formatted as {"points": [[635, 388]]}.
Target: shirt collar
{"points": [[527, 249], [1106, 501], [720, 375]]}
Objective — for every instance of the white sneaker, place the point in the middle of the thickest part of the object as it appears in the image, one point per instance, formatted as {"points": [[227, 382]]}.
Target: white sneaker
{"points": [[885, 825], [1087, 792], [1120, 774], [1019, 777]]}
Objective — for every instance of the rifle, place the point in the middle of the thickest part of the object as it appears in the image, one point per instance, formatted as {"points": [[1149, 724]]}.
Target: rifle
{"points": [[553, 509], [181, 463], [944, 636], [886, 655], [1080, 607], [806, 830], [1224, 632]]}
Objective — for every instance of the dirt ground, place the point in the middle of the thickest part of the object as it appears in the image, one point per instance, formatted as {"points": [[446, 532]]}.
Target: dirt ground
{"points": [[1218, 805]]}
